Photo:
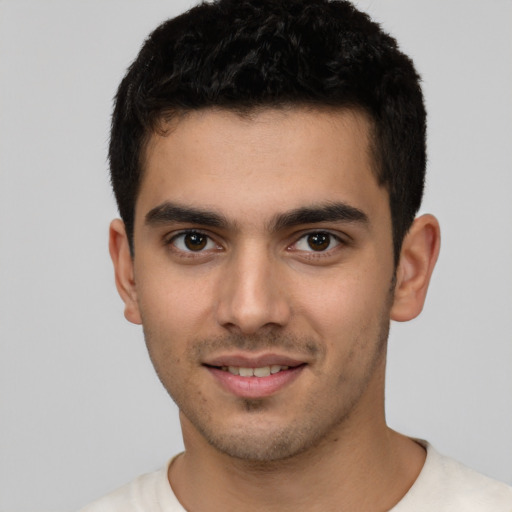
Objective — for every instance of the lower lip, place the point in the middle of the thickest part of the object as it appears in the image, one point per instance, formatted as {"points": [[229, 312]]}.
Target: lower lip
{"points": [[255, 387]]}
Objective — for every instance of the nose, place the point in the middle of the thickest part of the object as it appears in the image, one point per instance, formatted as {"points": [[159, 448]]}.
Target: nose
{"points": [[252, 294]]}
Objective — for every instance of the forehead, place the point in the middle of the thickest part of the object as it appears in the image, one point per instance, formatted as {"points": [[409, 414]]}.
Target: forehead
{"points": [[256, 165]]}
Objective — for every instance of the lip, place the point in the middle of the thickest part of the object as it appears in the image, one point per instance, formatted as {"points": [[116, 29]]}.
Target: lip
{"points": [[255, 387], [253, 361]]}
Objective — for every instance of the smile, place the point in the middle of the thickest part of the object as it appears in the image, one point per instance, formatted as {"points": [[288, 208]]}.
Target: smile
{"points": [[263, 371], [255, 382]]}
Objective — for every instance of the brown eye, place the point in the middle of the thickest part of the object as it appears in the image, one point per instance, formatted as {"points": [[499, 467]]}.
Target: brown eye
{"points": [[319, 241], [316, 241], [195, 241]]}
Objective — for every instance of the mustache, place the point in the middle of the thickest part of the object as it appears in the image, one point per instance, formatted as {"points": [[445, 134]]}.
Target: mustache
{"points": [[202, 348]]}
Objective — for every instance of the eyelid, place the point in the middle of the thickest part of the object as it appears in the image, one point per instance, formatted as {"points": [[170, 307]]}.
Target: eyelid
{"points": [[339, 238], [172, 237]]}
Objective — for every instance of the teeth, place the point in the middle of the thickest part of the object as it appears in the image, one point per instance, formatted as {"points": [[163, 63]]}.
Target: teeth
{"points": [[233, 370], [246, 372], [263, 371]]}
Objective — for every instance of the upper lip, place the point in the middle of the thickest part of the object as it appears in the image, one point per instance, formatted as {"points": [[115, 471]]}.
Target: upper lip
{"points": [[253, 361]]}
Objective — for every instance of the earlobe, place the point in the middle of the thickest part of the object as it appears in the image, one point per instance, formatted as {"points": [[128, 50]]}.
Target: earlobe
{"points": [[119, 249], [418, 257]]}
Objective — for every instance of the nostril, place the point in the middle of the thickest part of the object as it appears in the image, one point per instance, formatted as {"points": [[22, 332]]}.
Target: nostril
{"points": [[248, 298]]}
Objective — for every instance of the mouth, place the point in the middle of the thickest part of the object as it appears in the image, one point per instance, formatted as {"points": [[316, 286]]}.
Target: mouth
{"points": [[257, 377], [261, 371]]}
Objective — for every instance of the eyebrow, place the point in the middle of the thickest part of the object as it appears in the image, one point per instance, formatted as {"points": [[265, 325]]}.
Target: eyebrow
{"points": [[330, 212], [168, 212]]}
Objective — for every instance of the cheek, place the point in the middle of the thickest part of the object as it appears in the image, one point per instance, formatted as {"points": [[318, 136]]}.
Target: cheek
{"points": [[173, 302], [341, 303]]}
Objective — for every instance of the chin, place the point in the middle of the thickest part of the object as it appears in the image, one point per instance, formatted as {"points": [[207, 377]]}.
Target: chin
{"points": [[257, 440], [262, 447]]}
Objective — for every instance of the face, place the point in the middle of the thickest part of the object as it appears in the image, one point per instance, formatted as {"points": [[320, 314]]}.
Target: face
{"points": [[262, 275]]}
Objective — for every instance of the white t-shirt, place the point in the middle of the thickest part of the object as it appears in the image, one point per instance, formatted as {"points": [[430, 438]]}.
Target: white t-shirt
{"points": [[443, 485]]}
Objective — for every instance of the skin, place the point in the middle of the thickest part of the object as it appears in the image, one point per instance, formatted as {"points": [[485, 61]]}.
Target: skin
{"points": [[258, 288]]}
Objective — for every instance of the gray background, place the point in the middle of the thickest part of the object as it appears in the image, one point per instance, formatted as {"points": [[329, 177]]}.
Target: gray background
{"points": [[81, 411]]}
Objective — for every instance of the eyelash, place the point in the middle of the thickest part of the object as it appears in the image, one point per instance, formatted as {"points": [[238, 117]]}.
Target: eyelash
{"points": [[184, 252], [172, 241], [331, 238]]}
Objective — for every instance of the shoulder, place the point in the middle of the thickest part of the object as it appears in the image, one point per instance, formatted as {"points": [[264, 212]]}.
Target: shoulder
{"points": [[446, 485], [150, 492]]}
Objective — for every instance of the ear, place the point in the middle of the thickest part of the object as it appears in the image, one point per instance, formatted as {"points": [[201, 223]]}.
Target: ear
{"points": [[418, 257], [119, 248]]}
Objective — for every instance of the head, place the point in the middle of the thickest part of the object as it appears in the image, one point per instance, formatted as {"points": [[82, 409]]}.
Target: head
{"points": [[268, 159], [246, 55]]}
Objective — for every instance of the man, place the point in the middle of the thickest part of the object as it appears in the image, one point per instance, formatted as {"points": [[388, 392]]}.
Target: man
{"points": [[268, 160]]}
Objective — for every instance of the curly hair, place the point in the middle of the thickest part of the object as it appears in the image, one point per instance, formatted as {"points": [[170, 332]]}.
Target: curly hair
{"points": [[246, 54]]}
